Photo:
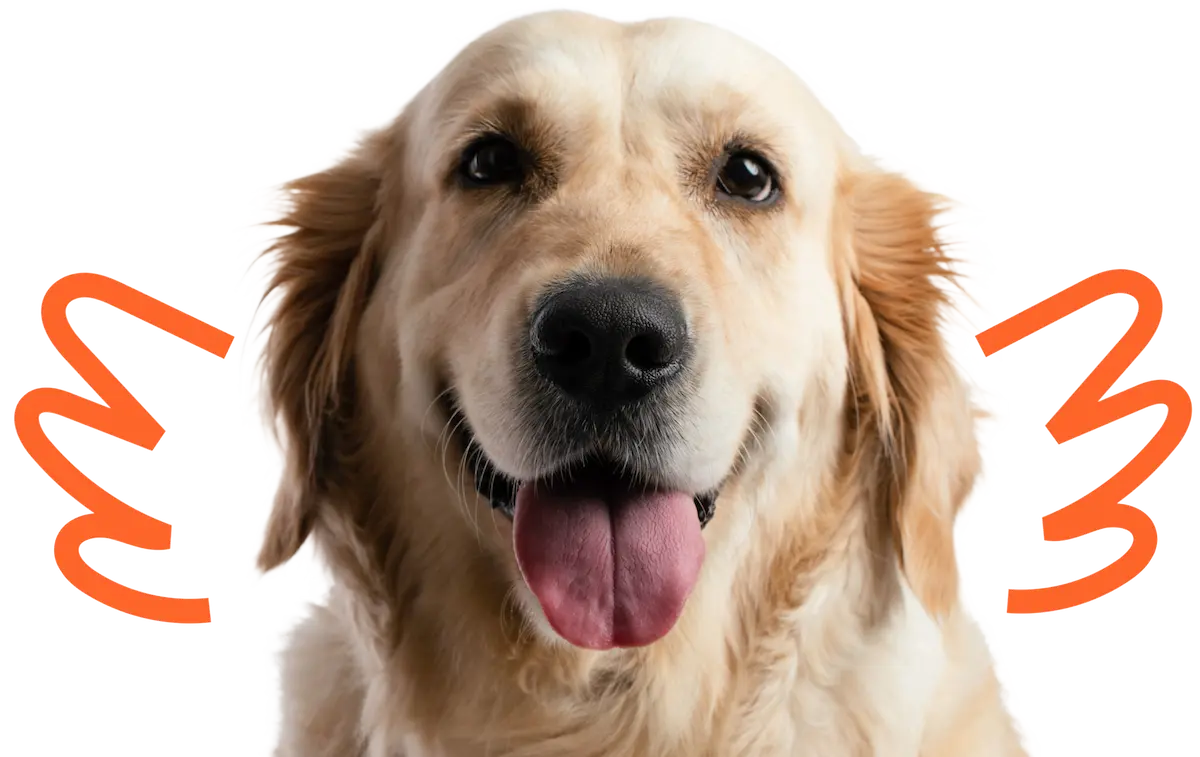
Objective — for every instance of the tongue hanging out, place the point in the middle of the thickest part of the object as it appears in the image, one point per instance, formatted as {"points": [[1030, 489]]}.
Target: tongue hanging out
{"points": [[610, 563]]}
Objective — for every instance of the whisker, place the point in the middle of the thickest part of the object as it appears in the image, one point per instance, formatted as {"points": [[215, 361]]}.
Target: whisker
{"points": [[472, 514]]}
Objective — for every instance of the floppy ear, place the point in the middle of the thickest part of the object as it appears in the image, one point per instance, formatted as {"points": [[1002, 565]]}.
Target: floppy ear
{"points": [[909, 403], [325, 271]]}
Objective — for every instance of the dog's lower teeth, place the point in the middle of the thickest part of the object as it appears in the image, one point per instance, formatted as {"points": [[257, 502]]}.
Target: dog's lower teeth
{"points": [[706, 507]]}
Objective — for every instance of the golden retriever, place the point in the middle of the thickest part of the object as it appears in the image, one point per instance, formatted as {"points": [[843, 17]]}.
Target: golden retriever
{"points": [[611, 388]]}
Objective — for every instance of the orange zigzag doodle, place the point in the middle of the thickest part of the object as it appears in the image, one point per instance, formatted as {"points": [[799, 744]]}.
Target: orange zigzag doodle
{"points": [[122, 417], [1087, 410]]}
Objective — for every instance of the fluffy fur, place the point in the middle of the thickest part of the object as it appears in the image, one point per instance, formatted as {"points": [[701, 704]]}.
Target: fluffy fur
{"points": [[826, 620]]}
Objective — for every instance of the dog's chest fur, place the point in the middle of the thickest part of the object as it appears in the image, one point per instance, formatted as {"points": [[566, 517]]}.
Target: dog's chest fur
{"points": [[811, 690]]}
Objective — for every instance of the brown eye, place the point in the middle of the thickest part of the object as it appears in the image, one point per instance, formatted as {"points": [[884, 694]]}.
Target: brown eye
{"points": [[748, 177], [492, 161]]}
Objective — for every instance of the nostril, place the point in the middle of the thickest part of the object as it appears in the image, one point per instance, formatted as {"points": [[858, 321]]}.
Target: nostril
{"points": [[559, 338], [570, 348], [648, 351]]}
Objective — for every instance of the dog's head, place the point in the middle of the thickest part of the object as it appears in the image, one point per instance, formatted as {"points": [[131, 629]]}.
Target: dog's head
{"points": [[615, 285]]}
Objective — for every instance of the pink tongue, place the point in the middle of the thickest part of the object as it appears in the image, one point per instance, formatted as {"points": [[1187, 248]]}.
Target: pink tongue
{"points": [[610, 569]]}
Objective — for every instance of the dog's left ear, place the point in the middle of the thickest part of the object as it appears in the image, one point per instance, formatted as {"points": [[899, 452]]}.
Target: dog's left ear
{"points": [[909, 405]]}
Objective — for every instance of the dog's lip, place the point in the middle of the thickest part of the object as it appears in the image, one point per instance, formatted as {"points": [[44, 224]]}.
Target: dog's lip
{"points": [[501, 489]]}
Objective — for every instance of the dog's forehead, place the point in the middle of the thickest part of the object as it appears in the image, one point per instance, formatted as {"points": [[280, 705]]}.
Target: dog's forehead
{"points": [[643, 58], [579, 61]]}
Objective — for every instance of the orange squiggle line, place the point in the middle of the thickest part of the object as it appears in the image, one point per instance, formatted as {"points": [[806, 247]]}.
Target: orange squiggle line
{"points": [[1089, 408], [120, 415]]}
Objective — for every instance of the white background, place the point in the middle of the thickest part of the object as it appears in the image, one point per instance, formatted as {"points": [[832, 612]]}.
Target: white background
{"points": [[304, 577]]}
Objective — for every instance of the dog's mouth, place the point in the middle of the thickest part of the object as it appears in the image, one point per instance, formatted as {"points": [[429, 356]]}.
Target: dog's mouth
{"points": [[610, 554], [501, 490]]}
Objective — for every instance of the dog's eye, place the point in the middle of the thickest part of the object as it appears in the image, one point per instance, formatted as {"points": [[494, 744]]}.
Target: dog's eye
{"points": [[491, 161], [748, 177]]}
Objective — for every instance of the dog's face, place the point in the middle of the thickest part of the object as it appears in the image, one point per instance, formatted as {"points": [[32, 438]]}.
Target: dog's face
{"points": [[613, 266], [624, 251]]}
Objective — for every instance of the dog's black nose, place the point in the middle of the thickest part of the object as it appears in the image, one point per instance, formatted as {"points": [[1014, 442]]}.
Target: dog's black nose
{"points": [[609, 341]]}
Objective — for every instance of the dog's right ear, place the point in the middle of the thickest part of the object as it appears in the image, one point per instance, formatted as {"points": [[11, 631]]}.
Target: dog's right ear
{"points": [[324, 272]]}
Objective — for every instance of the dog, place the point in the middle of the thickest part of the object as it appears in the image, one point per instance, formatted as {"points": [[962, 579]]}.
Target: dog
{"points": [[611, 389]]}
